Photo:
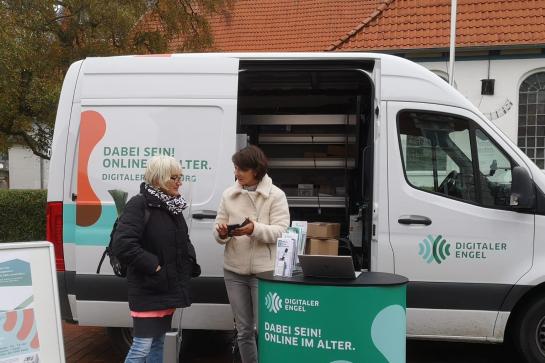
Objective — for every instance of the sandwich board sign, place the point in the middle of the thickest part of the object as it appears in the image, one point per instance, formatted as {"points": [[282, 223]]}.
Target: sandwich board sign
{"points": [[30, 321]]}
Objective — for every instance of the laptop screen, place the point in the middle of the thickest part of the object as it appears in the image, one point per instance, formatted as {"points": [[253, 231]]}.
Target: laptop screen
{"points": [[327, 266]]}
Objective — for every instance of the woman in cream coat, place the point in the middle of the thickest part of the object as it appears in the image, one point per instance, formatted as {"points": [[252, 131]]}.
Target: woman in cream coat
{"points": [[250, 249]]}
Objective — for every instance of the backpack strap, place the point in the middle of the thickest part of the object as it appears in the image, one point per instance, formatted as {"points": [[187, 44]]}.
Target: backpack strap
{"points": [[106, 252], [108, 249], [147, 215], [147, 212]]}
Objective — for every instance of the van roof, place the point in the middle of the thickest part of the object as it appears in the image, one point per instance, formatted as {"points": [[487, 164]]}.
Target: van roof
{"points": [[400, 79]]}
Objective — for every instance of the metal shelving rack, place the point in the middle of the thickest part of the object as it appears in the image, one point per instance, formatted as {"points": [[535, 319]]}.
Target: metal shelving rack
{"points": [[312, 202], [319, 138], [259, 120]]}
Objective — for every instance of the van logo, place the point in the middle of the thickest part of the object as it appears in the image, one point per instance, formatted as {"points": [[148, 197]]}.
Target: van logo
{"points": [[273, 302], [434, 249]]}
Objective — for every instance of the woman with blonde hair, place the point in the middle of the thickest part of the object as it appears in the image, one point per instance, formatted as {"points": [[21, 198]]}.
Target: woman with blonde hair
{"points": [[152, 239], [262, 209]]}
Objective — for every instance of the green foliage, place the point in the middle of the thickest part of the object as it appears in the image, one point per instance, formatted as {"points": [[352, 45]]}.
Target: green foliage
{"points": [[39, 39], [22, 215]]}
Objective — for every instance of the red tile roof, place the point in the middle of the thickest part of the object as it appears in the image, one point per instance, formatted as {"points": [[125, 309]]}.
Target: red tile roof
{"points": [[288, 25], [410, 24], [350, 25]]}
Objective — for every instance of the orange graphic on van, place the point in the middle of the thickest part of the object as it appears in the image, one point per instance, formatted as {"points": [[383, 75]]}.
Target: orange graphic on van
{"points": [[91, 130]]}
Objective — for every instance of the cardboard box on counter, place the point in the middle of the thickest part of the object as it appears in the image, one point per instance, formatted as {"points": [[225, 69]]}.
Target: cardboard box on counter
{"points": [[323, 230], [317, 246]]}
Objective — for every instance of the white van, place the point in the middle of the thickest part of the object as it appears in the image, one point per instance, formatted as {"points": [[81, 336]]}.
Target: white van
{"points": [[374, 142]]}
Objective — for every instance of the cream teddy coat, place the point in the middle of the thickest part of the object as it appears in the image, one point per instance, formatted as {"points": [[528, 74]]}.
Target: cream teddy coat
{"points": [[268, 210]]}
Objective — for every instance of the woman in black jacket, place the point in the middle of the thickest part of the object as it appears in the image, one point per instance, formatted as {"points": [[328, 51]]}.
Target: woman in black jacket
{"points": [[160, 257]]}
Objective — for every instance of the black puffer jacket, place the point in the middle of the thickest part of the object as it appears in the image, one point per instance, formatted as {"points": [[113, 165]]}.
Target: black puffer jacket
{"points": [[163, 241]]}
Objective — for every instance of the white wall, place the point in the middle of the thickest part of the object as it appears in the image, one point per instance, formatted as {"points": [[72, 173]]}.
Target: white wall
{"points": [[25, 169], [508, 73]]}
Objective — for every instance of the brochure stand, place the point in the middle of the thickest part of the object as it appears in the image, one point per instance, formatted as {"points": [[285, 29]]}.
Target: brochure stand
{"points": [[30, 319], [304, 319]]}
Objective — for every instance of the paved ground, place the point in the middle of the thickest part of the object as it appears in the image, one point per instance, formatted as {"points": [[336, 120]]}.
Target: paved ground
{"points": [[87, 345], [91, 345]]}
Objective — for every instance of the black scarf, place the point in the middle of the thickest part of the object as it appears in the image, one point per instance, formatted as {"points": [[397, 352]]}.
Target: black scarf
{"points": [[174, 204]]}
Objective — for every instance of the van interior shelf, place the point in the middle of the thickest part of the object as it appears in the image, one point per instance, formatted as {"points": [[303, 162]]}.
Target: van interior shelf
{"points": [[315, 202], [306, 139], [298, 119], [310, 163]]}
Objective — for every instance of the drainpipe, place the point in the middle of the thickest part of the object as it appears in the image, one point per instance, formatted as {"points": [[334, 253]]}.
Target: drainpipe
{"points": [[452, 41]]}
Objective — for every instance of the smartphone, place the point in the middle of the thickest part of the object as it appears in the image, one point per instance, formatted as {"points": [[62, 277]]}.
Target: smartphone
{"points": [[232, 227]]}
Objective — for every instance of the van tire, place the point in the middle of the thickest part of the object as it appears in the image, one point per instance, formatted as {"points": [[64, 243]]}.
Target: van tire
{"points": [[528, 334], [121, 339]]}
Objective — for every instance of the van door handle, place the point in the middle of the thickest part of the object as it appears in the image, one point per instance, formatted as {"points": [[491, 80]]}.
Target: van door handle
{"points": [[205, 214], [408, 220]]}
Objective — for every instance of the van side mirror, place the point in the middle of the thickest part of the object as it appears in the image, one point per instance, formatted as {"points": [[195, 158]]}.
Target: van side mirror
{"points": [[523, 193]]}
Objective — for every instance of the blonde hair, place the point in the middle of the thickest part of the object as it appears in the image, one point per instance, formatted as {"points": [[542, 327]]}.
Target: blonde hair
{"points": [[160, 169]]}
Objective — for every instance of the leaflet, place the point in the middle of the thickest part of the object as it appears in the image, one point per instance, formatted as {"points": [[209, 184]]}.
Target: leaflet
{"points": [[303, 236], [302, 242], [285, 247]]}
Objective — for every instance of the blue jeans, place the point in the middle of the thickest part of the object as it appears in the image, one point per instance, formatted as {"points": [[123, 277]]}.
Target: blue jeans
{"points": [[146, 350]]}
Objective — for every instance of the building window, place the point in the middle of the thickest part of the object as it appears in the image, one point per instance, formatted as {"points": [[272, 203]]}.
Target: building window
{"points": [[531, 131]]}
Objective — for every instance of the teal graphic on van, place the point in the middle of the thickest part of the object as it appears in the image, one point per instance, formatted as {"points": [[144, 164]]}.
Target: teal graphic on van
{"points": [[434, 249], [437, 249]]}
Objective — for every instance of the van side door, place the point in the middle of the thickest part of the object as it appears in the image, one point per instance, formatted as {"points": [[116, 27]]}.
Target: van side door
{"points": [[452, 230], [133, 108]]}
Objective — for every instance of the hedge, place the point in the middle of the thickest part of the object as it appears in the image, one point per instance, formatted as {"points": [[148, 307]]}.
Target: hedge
{"points": [[22, 215]]}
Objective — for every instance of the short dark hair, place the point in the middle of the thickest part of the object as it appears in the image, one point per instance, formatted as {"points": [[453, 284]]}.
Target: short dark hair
{"points": [[251, 157]]}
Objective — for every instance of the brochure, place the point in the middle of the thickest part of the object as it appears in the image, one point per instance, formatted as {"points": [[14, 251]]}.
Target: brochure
{"points": [[303, 237], [297, 234], [285, 246]]}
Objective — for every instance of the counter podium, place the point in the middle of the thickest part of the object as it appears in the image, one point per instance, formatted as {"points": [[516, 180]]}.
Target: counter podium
{"points": [[303, 319]]}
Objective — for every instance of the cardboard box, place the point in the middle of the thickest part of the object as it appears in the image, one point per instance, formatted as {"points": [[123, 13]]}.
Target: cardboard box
{"points": [[323, 230], [317, 246], [305, 190]]}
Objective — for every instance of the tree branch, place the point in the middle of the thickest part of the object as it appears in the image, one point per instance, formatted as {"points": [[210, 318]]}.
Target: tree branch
{"points": [[31, 144], [26, 138]]}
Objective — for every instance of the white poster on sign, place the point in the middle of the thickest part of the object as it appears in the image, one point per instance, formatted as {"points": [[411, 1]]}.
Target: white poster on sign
{"points": [[29, 305], [18, 332]]}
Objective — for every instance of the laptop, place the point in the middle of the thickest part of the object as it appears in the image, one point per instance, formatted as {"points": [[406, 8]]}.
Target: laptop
{"points": [[338, 267]]}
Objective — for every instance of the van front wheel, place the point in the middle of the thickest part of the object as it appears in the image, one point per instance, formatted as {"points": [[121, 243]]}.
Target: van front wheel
{"points": [[121, 339], [529, 332]]}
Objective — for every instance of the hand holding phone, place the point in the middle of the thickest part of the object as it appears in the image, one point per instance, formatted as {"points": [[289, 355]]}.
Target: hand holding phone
{"points": [[222, 230], [232, 227]]}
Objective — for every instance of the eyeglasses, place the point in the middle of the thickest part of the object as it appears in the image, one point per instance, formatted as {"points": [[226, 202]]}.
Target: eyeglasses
{"points": [[176, 178]]}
